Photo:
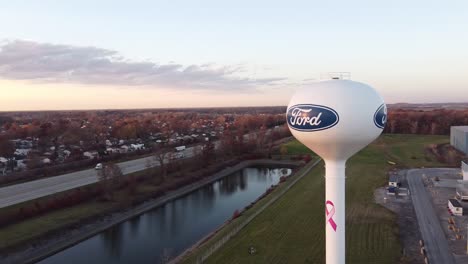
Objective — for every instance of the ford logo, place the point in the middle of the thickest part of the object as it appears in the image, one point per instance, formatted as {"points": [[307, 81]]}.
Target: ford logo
{"points": [[380, 116], [309, 117]]}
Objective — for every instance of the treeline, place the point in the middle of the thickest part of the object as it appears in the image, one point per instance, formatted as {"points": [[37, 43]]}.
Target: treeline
{"points": [[434, 122]]}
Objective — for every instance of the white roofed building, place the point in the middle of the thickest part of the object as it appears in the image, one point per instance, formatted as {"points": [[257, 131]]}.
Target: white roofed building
{"points": [[459, 138]]}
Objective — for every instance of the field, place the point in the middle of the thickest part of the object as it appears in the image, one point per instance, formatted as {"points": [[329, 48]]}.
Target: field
{"points": [[292, 229]]}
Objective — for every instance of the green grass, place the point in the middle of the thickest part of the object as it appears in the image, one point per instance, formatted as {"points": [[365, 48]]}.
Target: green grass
{"points": [[295, 147], [27, 230], [292, 229]]}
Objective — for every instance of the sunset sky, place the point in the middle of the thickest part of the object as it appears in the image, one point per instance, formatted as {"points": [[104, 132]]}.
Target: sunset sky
{"points": [[152, 54]]}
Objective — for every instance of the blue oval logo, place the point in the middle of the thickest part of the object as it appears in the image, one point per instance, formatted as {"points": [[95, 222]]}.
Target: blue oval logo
{"points": [[380, 116], [309, 117]]}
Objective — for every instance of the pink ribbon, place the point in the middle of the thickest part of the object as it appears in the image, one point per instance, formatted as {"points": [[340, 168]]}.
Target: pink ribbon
{"points": [[330, 214]]}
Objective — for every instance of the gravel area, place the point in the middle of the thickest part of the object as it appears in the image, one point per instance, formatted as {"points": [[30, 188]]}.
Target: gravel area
{"points": [[408, 225]]}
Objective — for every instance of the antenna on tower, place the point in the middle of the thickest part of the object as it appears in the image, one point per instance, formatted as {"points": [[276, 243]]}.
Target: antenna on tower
{"points": [[335, 76]]}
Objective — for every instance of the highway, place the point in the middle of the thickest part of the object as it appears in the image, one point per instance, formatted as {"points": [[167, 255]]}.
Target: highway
{"points": [[431, 231], [22, 192]]}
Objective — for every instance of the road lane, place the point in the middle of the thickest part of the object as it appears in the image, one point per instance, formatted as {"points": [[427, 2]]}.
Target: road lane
{"points": [[431, 231]]}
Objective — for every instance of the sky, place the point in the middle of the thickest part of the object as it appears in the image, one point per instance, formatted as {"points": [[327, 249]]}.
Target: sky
{"points": [[157, 54]]}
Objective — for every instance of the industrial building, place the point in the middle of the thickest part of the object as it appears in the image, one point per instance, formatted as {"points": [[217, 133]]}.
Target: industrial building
{"points": [[462, 192], [394, 181], [455, 207], [459, 138]]}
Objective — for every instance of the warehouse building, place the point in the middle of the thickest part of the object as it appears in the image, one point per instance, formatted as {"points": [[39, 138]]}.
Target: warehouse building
{"points": [[455, 207], [459, 138], [462, 192]]}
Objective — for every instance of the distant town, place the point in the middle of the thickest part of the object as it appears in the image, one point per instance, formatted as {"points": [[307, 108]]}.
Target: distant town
{"points": [[34, 140]]}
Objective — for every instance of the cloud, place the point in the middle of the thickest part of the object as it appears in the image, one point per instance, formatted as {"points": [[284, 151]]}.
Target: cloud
{"points": [[45, 62]]}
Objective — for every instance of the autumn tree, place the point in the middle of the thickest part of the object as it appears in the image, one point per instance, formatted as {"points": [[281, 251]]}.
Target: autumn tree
{"points": [[7, 148], [207, 152]]}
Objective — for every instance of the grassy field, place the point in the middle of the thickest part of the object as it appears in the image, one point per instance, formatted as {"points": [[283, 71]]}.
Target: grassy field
{"points": [[292, 229], [28, 230]]}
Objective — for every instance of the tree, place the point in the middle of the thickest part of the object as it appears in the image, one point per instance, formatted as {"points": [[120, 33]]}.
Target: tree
{"points": [[162, 158], [207, 152], [109, 178], [7, 149]]}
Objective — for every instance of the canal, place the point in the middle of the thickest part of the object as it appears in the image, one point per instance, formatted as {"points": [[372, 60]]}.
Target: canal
{"points": [[166, 231]]}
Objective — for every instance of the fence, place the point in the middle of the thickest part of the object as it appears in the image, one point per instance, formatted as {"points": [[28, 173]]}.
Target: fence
{"points": [[208, 252]]}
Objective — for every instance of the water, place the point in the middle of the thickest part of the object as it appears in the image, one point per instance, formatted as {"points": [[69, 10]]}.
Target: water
{"points": [[168, 230]]}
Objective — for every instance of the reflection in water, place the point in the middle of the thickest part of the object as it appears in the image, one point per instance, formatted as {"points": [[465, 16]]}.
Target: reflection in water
{"points": [[168, 230], [134, 223], [229, 185], [112, 239]]}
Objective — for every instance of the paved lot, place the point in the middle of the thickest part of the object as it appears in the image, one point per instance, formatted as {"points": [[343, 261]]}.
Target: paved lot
{"points": [[18, 193], [431, 231]]}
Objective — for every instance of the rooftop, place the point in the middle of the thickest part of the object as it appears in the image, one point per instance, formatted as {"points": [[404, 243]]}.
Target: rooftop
{"points": [[462, 128], [455, 203], [462, 189], [394, 178]]}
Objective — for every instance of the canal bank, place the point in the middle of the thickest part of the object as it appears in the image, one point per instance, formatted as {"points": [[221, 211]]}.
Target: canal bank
{"points": [[72, 237], [209, 244]]}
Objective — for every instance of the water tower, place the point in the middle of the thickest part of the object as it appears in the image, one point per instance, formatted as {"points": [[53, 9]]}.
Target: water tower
{"points": [[336, 119]]}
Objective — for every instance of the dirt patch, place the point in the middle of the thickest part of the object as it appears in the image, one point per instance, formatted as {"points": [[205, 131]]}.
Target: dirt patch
{"points": [[446, 153]]}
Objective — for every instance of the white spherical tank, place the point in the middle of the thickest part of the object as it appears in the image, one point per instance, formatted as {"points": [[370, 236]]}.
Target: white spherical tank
{"points": [[336, 119], [341, 117]]}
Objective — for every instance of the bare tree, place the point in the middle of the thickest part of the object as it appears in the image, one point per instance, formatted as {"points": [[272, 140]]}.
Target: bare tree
{"points": [[162, 157], [109, 179]]}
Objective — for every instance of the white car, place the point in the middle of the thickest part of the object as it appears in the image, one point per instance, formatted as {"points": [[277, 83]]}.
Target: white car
{"points": [[177, 155], [98, 166]]}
